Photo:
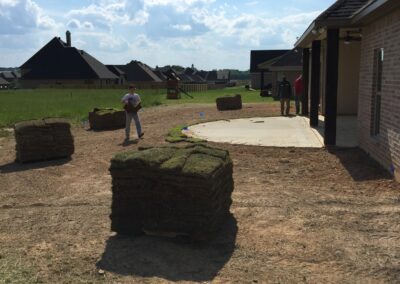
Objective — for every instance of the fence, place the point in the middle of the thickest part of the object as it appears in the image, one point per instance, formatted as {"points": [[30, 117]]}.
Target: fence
{"points": [[194, 87], [187, 87]]}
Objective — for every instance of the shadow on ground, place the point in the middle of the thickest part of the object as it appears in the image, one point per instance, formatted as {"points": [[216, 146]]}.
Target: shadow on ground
{"points": [[359, 165], [18, 167], [170, 259]]}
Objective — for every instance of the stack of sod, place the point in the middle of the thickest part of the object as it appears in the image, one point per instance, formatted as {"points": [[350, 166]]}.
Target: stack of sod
{"points": [[171, 190], [229, 103], [106, 119], [43, 139]]}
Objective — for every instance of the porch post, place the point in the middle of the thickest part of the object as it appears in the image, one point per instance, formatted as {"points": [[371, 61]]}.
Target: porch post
{"points": [[262, 80], [315, 82], [306, 79], [331, 88]]}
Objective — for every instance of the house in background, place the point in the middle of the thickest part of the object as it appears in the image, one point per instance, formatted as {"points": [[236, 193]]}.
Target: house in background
{"points": [[119, 73], [262, 77], [4, 84], [60, 64], [12, 77], [351, 65], [138, 72], [191, 75], [160, 74], [288, 65]]}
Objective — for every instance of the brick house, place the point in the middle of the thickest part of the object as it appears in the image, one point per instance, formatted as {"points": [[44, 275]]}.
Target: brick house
{"points": [[351, 65], [138, 73], [262, 77], [60, 64]]}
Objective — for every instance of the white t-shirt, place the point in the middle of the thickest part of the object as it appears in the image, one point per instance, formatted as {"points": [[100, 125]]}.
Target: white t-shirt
{"points": [[134, 99]]}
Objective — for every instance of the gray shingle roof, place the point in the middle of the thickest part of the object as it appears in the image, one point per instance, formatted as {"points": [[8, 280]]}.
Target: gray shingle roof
{"points": [[56, 60], [8, 75], [291, 58], [344, 9], [3, 82], [137, 71], [260, 56]]}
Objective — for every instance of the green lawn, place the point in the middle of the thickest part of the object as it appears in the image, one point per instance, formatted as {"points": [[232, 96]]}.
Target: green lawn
{"points": [[74, 104]]}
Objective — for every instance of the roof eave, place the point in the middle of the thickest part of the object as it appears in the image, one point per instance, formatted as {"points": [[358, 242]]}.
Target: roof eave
{"points": [[375, 10], [306, 37], [286, 68], [309, 36]]}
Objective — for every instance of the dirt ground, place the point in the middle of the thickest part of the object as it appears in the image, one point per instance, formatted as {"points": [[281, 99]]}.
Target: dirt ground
{"points": [[298, 215]]}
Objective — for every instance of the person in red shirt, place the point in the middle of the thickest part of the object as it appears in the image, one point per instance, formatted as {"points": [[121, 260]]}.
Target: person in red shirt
{"points": [[298, 92]]}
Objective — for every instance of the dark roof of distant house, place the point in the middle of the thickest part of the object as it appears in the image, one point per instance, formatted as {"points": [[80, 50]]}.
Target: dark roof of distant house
{"points": [[185, 77], [118, 72], [344, 9], [197, 78], [202, 74], [17, 73], [291, 58], [57, 60], [137, 71], [8, 75], [4, 82], [212, 75], [259, 56], [160, 74]]}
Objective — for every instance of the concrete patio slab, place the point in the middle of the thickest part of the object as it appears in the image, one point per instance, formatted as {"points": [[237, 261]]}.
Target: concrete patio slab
{"points": [[261, 131], [280, 131]]}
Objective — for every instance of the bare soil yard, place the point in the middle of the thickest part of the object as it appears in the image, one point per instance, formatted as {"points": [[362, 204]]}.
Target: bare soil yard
{"points": [[298, 215]]}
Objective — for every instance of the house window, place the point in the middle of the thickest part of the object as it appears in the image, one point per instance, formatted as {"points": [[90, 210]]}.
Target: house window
{"points": [[377, 91]]}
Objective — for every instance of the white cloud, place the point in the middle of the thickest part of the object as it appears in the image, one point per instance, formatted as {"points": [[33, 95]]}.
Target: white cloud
{"points": [[76, 24], [184, 28], [4, 3], [107, 13], [252, 30], [181, 5], [208, 33], [22, 17]]}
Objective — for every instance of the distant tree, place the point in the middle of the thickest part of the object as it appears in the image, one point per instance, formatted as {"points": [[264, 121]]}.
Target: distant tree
{"points": [[240, 75]]}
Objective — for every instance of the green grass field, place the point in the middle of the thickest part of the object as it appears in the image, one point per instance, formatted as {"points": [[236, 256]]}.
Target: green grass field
{"points": [[74, 104]]}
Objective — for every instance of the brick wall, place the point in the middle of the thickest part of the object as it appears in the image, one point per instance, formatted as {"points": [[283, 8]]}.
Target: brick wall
{"points": [[382, 33]]}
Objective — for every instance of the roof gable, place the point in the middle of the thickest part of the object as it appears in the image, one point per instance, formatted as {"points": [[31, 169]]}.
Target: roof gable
{"points": [[56, 60], [136, 71], [8, 75]]}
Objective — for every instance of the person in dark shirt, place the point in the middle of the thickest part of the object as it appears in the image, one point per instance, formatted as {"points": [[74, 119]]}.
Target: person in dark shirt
{"points": [[284, 94]]}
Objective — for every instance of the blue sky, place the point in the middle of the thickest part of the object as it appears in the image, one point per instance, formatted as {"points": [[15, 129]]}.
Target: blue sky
{"points": [[211, 34]]}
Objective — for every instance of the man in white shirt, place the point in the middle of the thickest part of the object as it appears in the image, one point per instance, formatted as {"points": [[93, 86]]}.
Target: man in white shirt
{"points": [[131, 103]]}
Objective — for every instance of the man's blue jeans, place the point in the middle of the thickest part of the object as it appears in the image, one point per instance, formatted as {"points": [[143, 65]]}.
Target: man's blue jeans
{"points": [[128, 121]]}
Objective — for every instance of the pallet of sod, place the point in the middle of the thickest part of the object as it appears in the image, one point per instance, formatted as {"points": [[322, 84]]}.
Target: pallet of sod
{"points": [[43, 139], [171, 190]]}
